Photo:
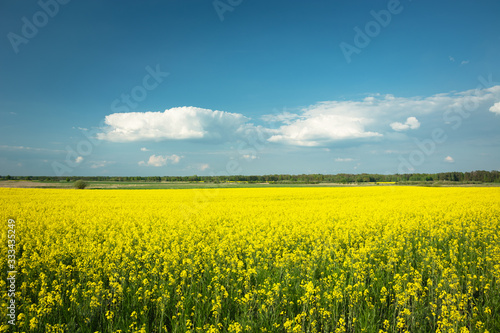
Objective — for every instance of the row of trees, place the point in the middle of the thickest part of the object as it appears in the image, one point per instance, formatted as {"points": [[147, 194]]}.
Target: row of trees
{"points": [[474, 176]]}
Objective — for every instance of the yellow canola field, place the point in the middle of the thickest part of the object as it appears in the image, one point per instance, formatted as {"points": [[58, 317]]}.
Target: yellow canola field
{"points": [[365, 259]]}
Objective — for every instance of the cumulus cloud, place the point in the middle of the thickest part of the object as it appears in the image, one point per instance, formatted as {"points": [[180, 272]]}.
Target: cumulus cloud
{"points": [[79, 159], [464, 62], [344, 159], [203, 167], [172, 124], [328, 122], [449, 159], [411, 123], [144, 149], [315, 129], [319, 125], [160, 160], [495, 108]]}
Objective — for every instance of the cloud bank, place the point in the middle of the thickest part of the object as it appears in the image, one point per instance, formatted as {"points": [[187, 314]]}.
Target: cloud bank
{"points": [[173, 124], [329, 122], [321, 124]]}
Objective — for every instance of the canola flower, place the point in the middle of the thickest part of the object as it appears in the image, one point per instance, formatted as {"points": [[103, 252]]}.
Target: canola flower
{"points": [[368, 259]]}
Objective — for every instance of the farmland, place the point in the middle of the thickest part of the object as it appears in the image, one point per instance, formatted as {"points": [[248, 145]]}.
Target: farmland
{"points": [[335, 259]]}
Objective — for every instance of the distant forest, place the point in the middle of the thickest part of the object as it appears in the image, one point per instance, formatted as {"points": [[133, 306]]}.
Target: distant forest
{"points": [[343, 178]]}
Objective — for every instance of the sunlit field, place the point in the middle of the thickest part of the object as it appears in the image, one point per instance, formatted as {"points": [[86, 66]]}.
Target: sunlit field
{"points": [[366, 259]]}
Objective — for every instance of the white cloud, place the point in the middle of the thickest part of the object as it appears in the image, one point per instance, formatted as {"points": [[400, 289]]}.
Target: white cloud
{"points": [[160, 160], [329, 122], [316, 129], [320, 125], [495, 108], [79, 159], [173, 124], [249, 157], [175, 159], [411, 123], [203, 167], [451, 58], [100, 164], [144, 149], [449, 159], [344, 159]]}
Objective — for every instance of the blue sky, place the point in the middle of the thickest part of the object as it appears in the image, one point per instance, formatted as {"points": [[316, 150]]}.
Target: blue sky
{"points": [[248, 87]]}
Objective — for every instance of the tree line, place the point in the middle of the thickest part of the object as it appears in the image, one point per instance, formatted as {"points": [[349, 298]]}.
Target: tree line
{"points": [[479, 176]]}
